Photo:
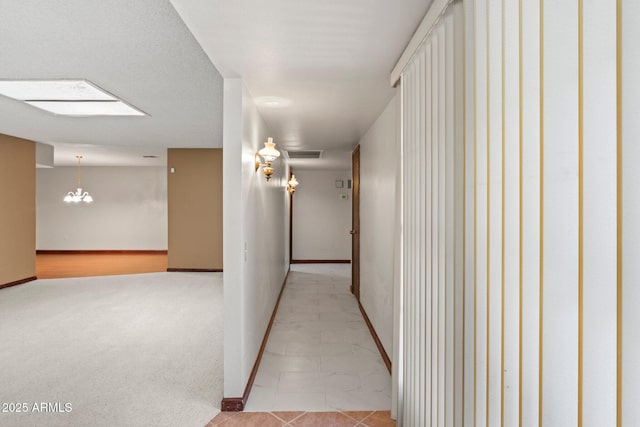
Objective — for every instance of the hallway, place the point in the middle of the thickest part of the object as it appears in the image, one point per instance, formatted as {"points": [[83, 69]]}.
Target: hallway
{"points": [[320, 358], [320, 355]]}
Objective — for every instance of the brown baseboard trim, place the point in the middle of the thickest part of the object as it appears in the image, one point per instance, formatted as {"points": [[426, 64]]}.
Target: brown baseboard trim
{"points": [[383, 353], [320, 261], [232, 404], [237, 404], [18, 282], [194, 270], [100, 252]]}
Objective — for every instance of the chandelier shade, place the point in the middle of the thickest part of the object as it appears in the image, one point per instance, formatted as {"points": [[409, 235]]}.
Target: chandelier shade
{"points": [[78, 196]]}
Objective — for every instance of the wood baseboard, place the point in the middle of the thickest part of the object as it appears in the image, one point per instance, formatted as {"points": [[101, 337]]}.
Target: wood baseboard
{"points": [[320, 261], [233, 404], [383, 353], [100, 252], [18, 282], [194, 270], [237, 404]]}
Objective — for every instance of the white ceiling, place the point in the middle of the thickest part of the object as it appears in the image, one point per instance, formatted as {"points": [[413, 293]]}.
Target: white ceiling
{"points": [[108, 155], [141, 51], [328, 60]]}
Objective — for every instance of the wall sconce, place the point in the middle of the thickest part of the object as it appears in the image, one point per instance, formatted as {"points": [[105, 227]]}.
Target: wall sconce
{"points": [[292, 184], [268, 155]]}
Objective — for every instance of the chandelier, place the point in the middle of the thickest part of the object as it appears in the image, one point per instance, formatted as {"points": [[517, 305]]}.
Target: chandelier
{"points": [[79, 195]]}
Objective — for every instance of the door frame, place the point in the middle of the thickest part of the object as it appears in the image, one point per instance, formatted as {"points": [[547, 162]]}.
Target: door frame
{"points": [[355, 222]]}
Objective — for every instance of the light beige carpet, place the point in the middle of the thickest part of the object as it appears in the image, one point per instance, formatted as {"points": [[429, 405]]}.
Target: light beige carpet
{"points": [[134, 350]]}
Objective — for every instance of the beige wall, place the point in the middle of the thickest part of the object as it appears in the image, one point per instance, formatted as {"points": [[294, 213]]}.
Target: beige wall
{"points": [[17, 209], [194, 195]]}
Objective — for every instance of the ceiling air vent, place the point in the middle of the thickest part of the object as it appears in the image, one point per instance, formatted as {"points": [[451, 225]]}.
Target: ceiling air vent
{"points": [[305, 154]]}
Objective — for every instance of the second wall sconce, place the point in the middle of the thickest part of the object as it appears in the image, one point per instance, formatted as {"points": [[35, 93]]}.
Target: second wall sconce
{"points": [[292, 184], [268, 154]]}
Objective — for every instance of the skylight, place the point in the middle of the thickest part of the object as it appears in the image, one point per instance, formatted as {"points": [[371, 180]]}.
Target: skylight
{"points": [[87, 108], [67, 97]]}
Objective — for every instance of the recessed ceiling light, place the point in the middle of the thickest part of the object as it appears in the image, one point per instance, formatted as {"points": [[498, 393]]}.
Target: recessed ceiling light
{"points": [[272, 101], [87, 108], [53, 90], [69, 97]]}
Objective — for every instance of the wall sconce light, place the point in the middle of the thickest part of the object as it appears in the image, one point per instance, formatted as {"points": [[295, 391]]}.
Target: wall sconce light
{"points": [[292, 184], [268, 155]]}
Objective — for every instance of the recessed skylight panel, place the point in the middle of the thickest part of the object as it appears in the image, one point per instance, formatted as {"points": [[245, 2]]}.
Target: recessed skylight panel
{"points": [[87, 108], [78, 98], [53, 90]]}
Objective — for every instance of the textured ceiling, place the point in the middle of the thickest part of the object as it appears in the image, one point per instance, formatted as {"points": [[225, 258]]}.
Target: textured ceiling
{"points": [[108, 155], [329, 60], [138, 50]]}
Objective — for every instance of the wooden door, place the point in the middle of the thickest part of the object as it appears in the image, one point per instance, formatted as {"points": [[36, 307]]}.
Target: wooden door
{"points": [[355, 224], [290, 223]]}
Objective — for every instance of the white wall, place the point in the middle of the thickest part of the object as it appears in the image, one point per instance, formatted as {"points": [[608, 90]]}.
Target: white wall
{"points": [[255, 232], [321, 219], [377, 219], [129, 211]]}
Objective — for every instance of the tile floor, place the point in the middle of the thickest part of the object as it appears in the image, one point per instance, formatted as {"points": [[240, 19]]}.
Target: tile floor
{"points": [[320, 355], [303, 419]]}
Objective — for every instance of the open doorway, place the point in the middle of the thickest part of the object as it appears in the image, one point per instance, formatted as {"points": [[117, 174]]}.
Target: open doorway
{"points": [[122, 231], [321, 217]]}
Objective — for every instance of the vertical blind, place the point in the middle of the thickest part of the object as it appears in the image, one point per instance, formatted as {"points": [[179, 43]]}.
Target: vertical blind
{"points": [[432, 218], [520, 126]]}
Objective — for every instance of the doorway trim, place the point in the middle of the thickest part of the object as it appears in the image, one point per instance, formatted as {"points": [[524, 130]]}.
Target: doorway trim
{"points": [[355, 223]]}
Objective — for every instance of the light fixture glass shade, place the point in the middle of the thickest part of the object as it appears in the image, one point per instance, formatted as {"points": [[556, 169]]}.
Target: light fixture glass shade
{"points": [[269, 152], [78, 197]]}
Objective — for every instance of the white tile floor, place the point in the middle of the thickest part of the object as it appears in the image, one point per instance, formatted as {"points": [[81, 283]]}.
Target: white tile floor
{"points": [[320, 355]]}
